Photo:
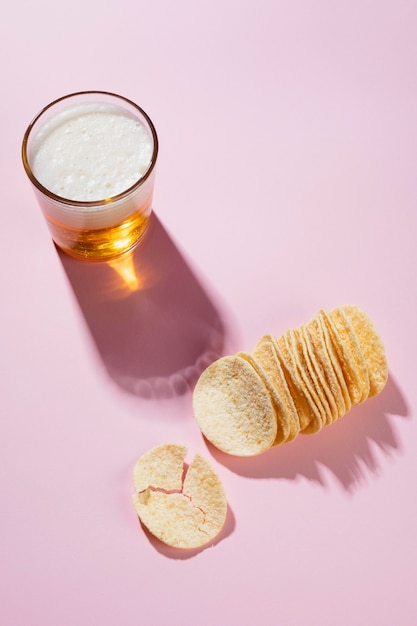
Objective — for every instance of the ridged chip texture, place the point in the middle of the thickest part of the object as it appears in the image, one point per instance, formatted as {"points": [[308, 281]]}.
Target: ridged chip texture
{"points": [[298, 382], [183, 507]]}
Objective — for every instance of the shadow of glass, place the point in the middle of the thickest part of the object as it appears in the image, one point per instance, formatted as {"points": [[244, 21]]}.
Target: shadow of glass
{"points": [[154, 325], [347, 448]]}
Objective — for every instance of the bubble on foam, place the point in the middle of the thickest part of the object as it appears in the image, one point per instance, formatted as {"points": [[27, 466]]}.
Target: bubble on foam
{"points": [[91, 151]]}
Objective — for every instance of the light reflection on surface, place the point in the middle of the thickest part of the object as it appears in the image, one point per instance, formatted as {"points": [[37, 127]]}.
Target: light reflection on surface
{"points": [[125, 268]]}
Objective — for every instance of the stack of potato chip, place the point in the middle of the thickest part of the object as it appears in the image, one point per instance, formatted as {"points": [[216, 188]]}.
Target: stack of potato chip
{"points": [[296, 383]]}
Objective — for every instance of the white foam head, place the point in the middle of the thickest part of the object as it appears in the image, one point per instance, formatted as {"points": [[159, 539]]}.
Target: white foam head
{"points": [[91, 151]]}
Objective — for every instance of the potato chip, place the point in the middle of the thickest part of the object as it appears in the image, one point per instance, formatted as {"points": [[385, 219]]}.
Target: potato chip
{"points": [[164, 469], [342, 346], [351, 342], [289, 367], [266, 354], [233, 407], [312, 365], [317, 378], [203, 487], [295, 347], [371, 347], [335, 364], [283, 428], [324, 369], [182, 508]]}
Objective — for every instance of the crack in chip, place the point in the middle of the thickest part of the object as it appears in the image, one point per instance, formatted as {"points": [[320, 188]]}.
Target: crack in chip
{"points": [[183, 507], [143, 496]]}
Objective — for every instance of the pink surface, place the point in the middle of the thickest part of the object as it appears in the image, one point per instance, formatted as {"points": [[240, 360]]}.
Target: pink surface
{"points": [[286, 183]]}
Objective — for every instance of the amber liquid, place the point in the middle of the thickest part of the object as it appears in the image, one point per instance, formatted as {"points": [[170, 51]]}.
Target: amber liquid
{"points": [[102, 243]]}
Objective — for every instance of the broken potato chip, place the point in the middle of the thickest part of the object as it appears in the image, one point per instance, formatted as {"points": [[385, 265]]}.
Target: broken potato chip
{"points": [[184, 507], [305, 379]]}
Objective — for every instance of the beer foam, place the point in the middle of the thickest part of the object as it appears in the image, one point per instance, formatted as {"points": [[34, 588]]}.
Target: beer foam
{"points": [[91, 151]]}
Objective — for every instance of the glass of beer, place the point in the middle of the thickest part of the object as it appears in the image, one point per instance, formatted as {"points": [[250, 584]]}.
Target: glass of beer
{"points": [[91, 157]]}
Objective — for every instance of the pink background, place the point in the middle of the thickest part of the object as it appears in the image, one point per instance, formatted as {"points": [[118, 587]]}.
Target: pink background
{"points": [[286, 183]]}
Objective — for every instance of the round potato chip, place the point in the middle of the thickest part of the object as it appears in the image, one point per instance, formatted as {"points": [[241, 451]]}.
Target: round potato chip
{"points": [[321, 319], [295, 347], [233, 407], [324, 368], [297, 389], [371, 346], [185, 515], [317, 378], [351, 342], [266, 355], [310, 363], [342, 345], [282, 423]]}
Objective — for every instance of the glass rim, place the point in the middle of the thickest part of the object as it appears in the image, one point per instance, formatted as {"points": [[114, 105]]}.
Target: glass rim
{"points": [[89, 203]]}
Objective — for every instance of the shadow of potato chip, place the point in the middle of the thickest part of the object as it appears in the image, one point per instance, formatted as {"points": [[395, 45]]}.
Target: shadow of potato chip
{"points": [[347, 449]]}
